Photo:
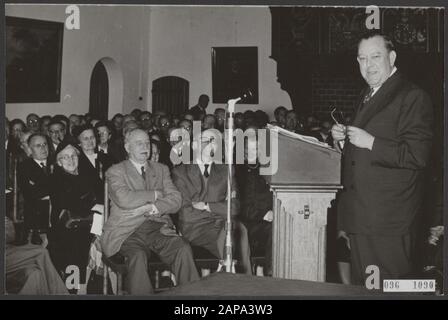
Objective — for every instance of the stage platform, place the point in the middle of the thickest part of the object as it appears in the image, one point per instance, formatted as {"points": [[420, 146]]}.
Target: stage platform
{"points": [[240, 285]]}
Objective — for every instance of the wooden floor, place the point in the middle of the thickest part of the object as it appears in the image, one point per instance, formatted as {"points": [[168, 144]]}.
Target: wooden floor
{"points": [[226, 284]]}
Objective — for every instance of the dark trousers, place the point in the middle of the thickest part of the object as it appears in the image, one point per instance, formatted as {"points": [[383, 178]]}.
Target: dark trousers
{"points": [[391, 254], [260, 237], [172, 250], [210, 233]]}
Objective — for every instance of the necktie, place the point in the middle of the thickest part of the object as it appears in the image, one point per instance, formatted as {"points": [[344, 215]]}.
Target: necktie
{"points": [[44, 167], [206, 170], [143, 173], [368, 96]]}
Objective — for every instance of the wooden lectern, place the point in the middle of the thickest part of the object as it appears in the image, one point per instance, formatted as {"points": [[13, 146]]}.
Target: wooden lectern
{"points": [[307, 179]]}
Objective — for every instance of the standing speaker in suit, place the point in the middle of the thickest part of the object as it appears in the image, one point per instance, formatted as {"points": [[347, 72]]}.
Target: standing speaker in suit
{"points": [[385, 151]]}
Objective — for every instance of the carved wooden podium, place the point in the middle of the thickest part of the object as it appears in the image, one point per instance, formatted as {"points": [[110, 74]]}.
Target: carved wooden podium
{"points": [[306, 181]]}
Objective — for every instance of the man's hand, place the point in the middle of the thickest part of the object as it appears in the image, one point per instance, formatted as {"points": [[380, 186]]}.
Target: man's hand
{"points": [[200, 206], [269, 216], [360, 137], [338, 132], [152, 210], [343, 234], [435, 234], [158, 194]]}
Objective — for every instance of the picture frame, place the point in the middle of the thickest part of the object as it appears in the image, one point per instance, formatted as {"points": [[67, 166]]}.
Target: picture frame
{"points": [[234, 72], [33, 60]]}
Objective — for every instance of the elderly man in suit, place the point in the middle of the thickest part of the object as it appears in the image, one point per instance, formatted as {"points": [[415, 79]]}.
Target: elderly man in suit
{"points": [[143, 196], [33, 176], [385, 151], [203, 185]]}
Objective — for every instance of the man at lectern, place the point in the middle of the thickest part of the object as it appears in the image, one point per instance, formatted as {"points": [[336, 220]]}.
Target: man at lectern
{"points": [[385, 150]]}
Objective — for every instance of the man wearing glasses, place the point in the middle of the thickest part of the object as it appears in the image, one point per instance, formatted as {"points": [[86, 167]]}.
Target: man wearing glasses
{"points": [[203, 186], [386, 149], [34, 181], [56, 132], [33, 123]]}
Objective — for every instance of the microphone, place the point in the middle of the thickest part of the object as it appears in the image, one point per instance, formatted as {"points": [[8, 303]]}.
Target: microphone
{"points": [[246, 94]]}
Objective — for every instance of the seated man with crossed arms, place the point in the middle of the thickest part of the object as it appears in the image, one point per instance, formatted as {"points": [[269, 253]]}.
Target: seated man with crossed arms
{"points": [[142, 197]]}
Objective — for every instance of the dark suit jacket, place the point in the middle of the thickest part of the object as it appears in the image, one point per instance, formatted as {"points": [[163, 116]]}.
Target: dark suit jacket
{"points": [[255, 195], [86, 168], [130, 195], [190, 182], [383, 187], [34, 185]]}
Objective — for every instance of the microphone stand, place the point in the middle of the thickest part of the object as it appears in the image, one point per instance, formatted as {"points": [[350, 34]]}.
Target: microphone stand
{"points": [[228, 263]]}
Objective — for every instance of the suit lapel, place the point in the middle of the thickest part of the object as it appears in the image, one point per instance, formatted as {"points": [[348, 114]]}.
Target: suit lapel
{"points": [[379, 101], [196, 178], [151, 177], [134, 176], [215, 174]]}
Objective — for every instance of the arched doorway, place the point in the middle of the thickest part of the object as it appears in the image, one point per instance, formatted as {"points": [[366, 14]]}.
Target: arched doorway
{"points": [[99, 92], [106, 89], [170, 94]]}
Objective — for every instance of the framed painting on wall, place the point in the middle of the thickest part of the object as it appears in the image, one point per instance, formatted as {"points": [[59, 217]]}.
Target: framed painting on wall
{"points": [[33, 60], [234, 72]]}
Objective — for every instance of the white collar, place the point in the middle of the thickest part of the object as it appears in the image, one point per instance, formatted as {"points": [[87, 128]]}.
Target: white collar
{"points": [[102, 149], [202, 165], [138, 166], [41, 161], [92, 158], [375, 89]]}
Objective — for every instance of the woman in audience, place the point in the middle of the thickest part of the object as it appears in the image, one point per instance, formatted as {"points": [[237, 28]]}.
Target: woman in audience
{"points": [[92, 164], [74, 200]]}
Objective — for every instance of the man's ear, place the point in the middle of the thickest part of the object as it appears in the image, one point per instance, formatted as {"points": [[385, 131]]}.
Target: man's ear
{"points": [[392, 57], [126, 147]]}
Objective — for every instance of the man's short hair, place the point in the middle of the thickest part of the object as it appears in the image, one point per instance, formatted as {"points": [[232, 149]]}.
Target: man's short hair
{"points": [[80, 129], [31, 137], [129, 133], [375, 33], [103, 123], [278, 109], [219, 110], [53, 122], [32, 115]]}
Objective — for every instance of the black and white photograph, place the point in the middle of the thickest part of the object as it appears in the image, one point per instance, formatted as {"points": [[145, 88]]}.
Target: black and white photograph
{"points": [[224, 151]]}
